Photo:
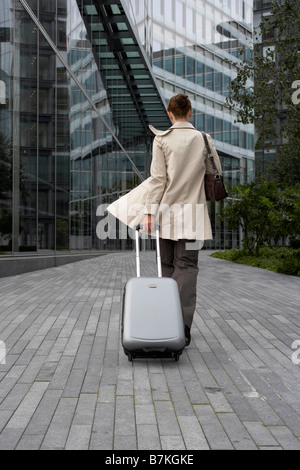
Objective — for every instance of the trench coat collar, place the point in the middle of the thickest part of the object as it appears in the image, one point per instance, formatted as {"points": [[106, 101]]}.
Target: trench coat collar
{"points": [[178, 125], [182, 124]]}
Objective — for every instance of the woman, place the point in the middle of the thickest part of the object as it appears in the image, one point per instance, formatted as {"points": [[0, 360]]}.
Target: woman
{"points": [[175, 195]]}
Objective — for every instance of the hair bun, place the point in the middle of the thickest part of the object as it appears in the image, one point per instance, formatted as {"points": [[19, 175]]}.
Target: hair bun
{"points": [[179, 105], [182, 100]]}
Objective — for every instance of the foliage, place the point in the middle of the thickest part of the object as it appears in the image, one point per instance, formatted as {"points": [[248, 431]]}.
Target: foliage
{"points": [[283, 260], [286, 165], [290, 264], [265, 213], [262, 91]]}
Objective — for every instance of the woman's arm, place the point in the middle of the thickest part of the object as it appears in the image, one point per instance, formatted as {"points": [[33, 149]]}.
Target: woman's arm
{"points": [[157, 183]]}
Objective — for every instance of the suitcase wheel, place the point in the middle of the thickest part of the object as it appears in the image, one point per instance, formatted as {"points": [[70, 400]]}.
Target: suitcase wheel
{"points": [[176, 356]]}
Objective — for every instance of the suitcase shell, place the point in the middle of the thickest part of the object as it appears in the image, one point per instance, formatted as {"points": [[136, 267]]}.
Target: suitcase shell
{"points": [[152, 320]]}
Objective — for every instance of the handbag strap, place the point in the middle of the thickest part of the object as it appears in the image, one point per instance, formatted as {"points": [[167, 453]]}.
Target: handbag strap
{"points": [[210, 155]]}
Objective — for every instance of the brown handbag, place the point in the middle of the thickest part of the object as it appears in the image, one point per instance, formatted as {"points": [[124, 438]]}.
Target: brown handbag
{"points": [[214, 184]]}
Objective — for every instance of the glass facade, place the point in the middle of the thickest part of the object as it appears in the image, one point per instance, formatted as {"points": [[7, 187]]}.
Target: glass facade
{"points": [[78, 91], [61, 157]]}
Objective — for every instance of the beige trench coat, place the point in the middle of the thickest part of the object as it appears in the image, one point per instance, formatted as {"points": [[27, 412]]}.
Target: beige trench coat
{"points": [[174, 192]]}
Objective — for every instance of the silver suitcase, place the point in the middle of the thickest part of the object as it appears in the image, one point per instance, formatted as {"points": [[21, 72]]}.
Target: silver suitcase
{"points": [[152, 320]]}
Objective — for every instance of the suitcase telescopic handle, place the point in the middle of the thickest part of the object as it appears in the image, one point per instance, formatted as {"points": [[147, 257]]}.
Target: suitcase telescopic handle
{"points": [[137, 250]]}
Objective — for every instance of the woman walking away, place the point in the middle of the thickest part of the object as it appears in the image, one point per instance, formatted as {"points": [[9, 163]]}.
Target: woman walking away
{"points": [[174, 196], [178, 167]]}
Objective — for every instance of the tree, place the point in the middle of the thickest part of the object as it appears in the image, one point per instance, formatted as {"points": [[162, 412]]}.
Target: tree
{"points": [[251, 207], [288, 210], [286, 166], [262, 91], [264, 213]]}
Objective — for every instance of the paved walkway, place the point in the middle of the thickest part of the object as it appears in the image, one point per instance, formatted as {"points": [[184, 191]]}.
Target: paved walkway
{"points": [[67, 384]]}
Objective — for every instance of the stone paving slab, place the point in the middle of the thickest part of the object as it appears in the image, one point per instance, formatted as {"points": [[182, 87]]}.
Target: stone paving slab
{"points": [[67, 384]]}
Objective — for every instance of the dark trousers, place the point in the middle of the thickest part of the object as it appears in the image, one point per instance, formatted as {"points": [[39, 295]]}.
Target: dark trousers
{"points": [[182, 265]]}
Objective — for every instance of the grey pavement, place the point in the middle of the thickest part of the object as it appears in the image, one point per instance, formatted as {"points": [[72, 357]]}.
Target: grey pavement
{"points": [[67, 384]]}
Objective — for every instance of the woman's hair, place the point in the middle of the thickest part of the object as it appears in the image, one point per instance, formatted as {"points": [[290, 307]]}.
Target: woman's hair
{"points": [[179, 105]]}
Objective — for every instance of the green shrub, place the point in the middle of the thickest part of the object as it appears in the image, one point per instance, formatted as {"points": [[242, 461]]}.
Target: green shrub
{"points": [[290, 264], [283, 260], [295, 243]]}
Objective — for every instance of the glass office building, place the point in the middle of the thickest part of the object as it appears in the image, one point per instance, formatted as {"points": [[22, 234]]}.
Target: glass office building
{"points": [[80, 82]]}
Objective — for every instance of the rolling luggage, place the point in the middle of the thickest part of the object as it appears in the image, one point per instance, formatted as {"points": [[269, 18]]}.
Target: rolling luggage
{"points": [[152, 320]]}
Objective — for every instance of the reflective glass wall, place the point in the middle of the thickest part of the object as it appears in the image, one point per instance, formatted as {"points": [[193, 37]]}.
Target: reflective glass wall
{"points": [[6, 150], [61, 156]]}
